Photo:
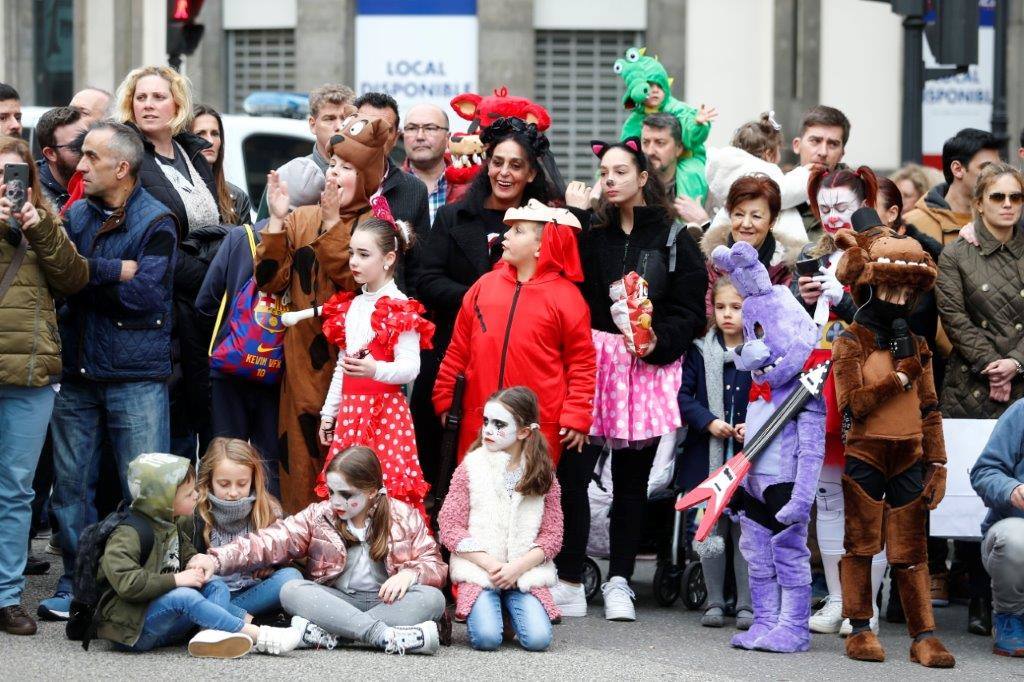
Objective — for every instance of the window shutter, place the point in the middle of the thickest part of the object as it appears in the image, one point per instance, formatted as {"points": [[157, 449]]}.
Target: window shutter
{"points": [[575, 81], [259, 60]]}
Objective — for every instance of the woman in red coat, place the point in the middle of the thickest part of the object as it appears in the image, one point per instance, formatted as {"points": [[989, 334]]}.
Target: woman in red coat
{"points": [[526, 324]]}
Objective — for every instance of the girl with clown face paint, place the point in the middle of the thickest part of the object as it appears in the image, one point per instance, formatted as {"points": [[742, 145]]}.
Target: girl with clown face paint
{"points": [[502, 521], [836, 195], [372, 567]]}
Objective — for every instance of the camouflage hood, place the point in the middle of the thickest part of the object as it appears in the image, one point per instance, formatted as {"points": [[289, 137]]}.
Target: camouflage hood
{"points": [[153, 480]]}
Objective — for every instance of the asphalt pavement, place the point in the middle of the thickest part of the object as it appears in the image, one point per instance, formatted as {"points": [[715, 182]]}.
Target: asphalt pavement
{"points": [[663, 643]]}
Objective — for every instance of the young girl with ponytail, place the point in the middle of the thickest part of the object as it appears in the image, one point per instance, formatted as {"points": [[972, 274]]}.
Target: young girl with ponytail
{"points": [[835, 195], [379, 332], [502, 521], [373, 570]]}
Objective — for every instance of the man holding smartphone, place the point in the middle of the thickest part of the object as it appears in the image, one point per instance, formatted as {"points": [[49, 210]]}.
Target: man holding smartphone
{"points": [[40, 263]]}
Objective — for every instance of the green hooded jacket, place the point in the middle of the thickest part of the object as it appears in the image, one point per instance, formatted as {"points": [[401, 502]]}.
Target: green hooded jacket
{"points": [[638, 70], [128, 587]]}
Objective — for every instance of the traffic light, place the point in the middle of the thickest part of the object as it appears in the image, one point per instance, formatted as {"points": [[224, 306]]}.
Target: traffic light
{"points": [[953, 37], [183, 33]]}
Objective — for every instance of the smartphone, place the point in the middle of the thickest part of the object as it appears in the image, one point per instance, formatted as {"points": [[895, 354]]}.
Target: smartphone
{"points": [[808, 267], [16, 179]]}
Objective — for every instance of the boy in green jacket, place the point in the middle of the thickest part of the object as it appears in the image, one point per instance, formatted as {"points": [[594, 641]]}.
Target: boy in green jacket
{"points": [[160, 603]]}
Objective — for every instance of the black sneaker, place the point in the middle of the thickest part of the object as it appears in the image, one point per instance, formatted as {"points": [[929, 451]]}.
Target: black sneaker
{"points": [[36, 566]]}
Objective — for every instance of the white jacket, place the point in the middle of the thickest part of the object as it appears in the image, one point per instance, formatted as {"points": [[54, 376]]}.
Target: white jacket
{"points": [[725, 165], [504, 527]]}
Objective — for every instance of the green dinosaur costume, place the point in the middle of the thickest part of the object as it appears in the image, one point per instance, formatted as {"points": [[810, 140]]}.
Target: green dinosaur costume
{"points": [[637, 70]]}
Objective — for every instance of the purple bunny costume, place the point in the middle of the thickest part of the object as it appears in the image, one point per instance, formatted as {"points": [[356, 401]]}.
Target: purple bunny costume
{"points": [[779, 490]]}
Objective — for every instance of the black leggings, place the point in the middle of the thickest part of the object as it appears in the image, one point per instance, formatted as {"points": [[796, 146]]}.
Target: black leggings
{"points": [[763, 513], [901, 489], [630, 471]]}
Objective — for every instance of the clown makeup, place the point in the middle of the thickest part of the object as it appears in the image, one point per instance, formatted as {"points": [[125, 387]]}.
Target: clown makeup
{"points": [[500, 430], [836, 205], [347, 501]]}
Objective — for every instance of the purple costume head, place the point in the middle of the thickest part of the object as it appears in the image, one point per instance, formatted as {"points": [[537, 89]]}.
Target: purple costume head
{"points": [[779, 334]]}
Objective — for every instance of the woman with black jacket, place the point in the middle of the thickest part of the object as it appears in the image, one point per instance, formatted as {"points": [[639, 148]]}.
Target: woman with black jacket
{"points": [[464, 244], [635, 403], [157, 102]]}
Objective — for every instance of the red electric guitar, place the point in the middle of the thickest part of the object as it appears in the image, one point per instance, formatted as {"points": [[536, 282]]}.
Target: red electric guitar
{"points": [[719, 487]]}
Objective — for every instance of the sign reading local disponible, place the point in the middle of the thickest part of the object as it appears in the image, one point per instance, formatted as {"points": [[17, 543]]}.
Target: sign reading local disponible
{"points": [[417, 52]]}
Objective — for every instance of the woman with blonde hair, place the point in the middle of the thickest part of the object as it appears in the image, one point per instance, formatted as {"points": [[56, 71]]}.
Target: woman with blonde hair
{"points": [[156, 101]]}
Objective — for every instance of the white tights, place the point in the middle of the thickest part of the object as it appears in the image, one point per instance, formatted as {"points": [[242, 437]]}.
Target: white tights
{"points": [[831, 526]]}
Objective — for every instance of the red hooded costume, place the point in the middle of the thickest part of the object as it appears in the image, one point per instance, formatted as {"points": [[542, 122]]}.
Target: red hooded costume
{"points": [[534, 334]]}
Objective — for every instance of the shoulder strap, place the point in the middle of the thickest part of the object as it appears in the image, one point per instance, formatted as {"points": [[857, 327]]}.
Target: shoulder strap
{"points": [[145, 532], [12, 268], [673, 235], [224, 299]]}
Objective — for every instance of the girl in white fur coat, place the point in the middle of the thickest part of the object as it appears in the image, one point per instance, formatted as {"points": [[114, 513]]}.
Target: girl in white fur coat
{"points": [[502, 522]]}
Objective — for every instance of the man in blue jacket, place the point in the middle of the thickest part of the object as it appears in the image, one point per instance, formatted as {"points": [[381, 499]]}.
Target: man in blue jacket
{"points": [[998, 478], [116, 337]]}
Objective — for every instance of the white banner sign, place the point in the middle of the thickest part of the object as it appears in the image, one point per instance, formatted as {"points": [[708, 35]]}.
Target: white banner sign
{"points": [[961, 512]]}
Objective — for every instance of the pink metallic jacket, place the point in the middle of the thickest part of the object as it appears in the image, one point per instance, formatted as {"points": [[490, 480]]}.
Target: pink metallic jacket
{"points": [[311, 535]]}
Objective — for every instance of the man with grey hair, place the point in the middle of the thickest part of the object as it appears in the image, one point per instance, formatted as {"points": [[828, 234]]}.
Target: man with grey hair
{"points": [[329, 105], [94, 103], [116, 335]]}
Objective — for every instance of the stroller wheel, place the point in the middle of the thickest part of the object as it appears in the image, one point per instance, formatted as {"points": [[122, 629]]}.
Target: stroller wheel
{"points": [[696, 590], [591, 578], [667, 584]]}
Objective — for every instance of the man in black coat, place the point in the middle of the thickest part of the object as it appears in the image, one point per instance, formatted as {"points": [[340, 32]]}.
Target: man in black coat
{"points": [[406, 194]]}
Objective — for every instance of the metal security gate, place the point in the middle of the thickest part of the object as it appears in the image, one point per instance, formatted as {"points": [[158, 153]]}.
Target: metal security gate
{"points": [[574, 80], [259, 60]]}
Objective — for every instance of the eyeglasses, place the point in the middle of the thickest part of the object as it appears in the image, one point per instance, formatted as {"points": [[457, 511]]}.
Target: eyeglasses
{"points": [[429, 129], [1016, 198]]}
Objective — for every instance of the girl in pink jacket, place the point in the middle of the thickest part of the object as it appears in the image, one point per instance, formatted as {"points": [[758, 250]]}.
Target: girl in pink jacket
{"points": [[372, 567], [502, 521]]}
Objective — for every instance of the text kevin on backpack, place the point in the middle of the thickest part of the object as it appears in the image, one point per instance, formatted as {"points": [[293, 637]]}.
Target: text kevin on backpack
{"points": [[84, 617]]}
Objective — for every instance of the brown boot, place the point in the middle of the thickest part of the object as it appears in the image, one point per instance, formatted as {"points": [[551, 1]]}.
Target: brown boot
{"points": [[864, 646], [930, 653], [15, 621]]}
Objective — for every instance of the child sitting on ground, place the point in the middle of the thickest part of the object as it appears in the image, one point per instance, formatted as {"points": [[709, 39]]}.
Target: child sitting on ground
{"points": [[160, 603], [234, 500]]}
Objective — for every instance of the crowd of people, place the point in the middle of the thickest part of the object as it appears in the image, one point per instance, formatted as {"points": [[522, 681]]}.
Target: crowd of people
{"points": [[260, 389]]}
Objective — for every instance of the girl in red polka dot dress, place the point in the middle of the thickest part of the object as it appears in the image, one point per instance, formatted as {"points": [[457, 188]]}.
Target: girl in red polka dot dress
{"points": [[380, 333]]}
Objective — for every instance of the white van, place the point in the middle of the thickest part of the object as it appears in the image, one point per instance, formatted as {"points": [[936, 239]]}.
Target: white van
{"points": [[253, 146]]}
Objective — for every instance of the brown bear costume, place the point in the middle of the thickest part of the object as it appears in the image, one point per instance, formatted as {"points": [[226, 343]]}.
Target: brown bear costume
{"points": [[309, 261], [895, 451]]}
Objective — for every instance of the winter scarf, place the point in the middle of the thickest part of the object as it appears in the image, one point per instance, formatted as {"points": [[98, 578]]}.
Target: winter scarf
{"points": [[715, 358], [231, 521], [200, 206]]}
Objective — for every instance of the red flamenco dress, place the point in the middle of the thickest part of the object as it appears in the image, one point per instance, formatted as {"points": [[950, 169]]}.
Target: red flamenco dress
{"points": [[376, 413]]}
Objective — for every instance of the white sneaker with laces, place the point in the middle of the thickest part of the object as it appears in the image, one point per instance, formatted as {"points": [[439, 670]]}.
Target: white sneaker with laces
{"points": [[828, 618], [313, 636], [846, 629], [618, 600], [277, 641], [219, 644], [412, 639], [570, 600]]}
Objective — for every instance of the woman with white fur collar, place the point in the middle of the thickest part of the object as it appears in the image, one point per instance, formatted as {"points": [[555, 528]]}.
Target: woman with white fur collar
{"points": [[502, 521]]}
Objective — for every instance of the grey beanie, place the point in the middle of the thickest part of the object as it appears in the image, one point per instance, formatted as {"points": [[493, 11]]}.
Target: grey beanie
{"points": [[305, 181]]}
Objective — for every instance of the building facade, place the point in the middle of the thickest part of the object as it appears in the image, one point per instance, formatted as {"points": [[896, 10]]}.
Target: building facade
{"points": [[742, 56]]}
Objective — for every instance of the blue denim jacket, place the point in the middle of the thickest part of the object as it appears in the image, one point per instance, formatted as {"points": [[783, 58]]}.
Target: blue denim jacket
{"points": [[1000, 468]]}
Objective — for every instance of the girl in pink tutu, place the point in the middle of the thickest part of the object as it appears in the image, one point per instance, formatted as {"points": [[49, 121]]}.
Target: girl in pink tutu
{"points": [[635, 403], [380, 333]]}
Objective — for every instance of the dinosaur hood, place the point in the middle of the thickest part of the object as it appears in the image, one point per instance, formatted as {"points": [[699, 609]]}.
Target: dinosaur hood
{"points": [[637, 70], [153, 480]]}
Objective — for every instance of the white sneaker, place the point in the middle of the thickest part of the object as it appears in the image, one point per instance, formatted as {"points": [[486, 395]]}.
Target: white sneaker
{"points": [[618, 600], [829, 617], [846, 629], [571, 601], [313, 636], [412, 639], [219, 644], [277, 641]]}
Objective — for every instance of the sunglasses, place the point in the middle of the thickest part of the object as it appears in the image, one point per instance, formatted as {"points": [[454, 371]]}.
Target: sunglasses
{"points": [[1016, 198]]}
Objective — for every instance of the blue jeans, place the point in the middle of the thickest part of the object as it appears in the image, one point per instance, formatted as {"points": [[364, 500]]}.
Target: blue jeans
{"points": [[265, 596], [171, 617], [24, 413], [529, 620], [135, 416]]}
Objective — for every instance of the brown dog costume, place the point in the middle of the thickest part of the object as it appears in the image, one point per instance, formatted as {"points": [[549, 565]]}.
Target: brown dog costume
{"points": [[309, 260], [895, 451]]}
